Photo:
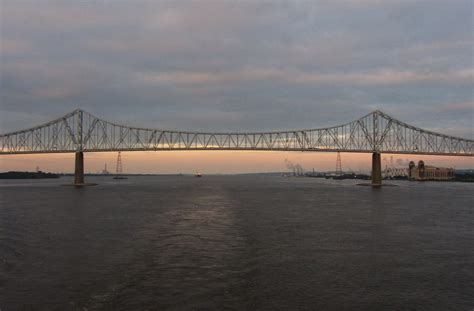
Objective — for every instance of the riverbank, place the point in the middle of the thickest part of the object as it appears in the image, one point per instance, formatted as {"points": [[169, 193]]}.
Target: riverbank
{"points": [[27, 175]]}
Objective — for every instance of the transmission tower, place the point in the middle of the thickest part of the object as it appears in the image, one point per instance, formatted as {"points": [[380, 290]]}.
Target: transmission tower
{"points": [[338, 165], [118, 169]]}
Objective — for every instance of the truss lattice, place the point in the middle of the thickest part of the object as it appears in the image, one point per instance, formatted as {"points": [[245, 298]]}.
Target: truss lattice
{"points": [[375, 132]]}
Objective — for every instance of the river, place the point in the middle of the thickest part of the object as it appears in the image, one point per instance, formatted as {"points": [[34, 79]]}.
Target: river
{"points": [[235, 243]]}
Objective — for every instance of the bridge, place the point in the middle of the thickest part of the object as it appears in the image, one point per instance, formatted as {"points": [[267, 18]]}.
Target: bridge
{"points": [[79, 131]]}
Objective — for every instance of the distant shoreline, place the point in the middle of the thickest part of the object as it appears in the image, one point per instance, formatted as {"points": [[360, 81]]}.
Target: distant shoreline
{"points": [[27, 175], [461, 176]]}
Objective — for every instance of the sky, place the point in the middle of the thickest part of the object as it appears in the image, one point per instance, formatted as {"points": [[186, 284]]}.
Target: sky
{"points": [[235, 66]]}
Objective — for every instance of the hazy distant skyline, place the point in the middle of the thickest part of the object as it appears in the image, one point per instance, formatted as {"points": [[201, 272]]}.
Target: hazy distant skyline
{"points": [[236, 66]]}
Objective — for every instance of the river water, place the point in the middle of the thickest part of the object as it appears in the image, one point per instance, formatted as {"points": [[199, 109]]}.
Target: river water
{"points": [[235, 243]]}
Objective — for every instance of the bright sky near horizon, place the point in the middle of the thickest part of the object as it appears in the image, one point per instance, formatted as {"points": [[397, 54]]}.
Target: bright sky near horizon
{"points": [[235, 66]]}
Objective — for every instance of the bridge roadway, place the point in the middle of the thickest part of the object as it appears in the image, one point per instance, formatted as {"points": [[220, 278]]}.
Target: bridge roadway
{"points": [[376, 133]]}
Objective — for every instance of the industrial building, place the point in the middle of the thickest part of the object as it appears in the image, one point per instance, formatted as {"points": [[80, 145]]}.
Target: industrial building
{"points": [[426, 172]]}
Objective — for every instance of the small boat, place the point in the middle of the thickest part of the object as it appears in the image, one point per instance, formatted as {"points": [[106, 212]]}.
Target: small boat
{"points": [[120, 177], [198, 175]]}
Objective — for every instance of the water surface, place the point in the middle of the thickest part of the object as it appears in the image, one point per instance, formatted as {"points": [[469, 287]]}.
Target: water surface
{"points": [[237, 243]]}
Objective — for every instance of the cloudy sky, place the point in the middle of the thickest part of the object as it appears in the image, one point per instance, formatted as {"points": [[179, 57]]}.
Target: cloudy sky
{"points": [[237, 66]]}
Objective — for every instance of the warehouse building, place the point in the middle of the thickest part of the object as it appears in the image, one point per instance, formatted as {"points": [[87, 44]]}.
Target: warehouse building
{"points": [[426, 172]]}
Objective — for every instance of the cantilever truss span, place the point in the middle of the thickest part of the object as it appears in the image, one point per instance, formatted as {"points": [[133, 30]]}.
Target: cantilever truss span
{"points": [[80, 131]]}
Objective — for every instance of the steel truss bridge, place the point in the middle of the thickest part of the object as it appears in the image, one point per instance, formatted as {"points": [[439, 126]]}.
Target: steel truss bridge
{"points": [[376, 132]]}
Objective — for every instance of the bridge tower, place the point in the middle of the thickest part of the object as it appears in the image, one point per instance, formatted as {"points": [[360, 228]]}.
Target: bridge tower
{"points": [[79, 163], [377, 138]]}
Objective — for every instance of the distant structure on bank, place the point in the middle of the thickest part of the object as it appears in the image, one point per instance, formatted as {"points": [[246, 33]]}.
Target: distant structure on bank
{"points": [[395, 172], [392, 172], [296, 168], [426, 172], [105, 171], [118, 169], [338, 165]]}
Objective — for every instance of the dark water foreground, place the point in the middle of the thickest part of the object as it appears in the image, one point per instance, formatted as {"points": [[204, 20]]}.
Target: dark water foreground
{"points": [[237, 243]]}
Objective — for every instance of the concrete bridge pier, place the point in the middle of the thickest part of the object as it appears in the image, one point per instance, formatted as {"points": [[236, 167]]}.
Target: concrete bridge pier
{"points": [[79, 169], [376, 169]]}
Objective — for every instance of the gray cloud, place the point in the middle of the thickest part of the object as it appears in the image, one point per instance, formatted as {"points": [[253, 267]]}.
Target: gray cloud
{"points": [[217, 65]]}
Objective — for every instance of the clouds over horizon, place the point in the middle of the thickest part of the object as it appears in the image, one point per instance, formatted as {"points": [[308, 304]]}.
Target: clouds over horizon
{"points": [[222, 65]]}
